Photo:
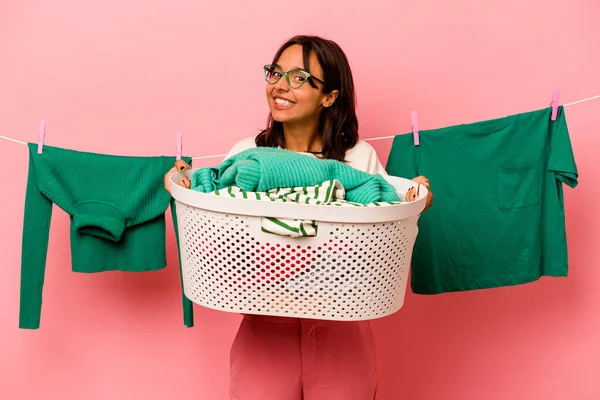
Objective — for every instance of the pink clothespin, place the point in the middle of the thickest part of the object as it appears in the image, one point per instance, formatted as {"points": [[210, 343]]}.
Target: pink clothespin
{"points": [[41, 136], [415, 127], [555, 102], [179, 145]]}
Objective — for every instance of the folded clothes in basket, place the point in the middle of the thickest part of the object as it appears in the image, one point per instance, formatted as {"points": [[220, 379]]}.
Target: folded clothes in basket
{"points": [[264, 168], [330, 192]]}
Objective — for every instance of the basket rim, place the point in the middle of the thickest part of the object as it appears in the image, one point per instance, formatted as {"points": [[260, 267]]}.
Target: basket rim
{"points": [[325, 213]]}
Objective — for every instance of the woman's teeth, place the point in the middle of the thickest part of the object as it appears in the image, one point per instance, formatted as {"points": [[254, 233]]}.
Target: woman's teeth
{"points": [[283, 102]]}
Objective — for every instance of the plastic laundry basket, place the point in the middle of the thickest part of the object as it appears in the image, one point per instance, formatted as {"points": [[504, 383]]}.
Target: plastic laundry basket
{"points": [[356, 268]]}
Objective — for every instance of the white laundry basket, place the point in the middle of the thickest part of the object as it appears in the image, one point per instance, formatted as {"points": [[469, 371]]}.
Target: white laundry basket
{"points": [[356, 268]]}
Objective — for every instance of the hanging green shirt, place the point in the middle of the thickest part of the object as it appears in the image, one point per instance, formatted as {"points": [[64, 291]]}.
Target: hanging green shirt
{"points": [[116, 206], [498, 216]]}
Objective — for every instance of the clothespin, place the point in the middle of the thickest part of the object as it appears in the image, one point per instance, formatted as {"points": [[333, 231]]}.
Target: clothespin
{"points": [[555, 102], [179, 145], [41, 136], [415, 127]]}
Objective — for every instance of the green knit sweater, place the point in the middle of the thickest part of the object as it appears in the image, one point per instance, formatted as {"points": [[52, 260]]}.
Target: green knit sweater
{"points": [[264, 168], [116, 204]]}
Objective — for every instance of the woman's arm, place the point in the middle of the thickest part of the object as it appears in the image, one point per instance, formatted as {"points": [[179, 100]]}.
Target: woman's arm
{"points": [[180, 166]]}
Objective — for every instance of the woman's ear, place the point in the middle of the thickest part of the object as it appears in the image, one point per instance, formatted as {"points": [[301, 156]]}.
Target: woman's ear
{"points": [[330, 99]]}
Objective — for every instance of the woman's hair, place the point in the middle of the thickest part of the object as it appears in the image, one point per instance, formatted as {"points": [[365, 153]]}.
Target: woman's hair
{"points": [[338, 123]]}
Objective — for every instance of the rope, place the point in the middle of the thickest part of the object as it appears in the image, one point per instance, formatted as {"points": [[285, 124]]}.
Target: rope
{"points": [[366, 140]]}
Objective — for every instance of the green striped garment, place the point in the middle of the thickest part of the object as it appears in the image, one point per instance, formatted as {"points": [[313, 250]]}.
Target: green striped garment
{"points": [[330, 192]]}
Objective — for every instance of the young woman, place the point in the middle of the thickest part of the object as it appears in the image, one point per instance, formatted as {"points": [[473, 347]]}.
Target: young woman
{"points": [[310, 92]]}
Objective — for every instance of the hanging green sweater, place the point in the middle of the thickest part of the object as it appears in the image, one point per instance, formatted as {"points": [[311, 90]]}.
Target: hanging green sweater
{"points": [[264, 168], [116, 206]]}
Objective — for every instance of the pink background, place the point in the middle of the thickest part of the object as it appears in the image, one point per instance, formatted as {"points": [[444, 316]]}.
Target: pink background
{"points": [[122, 77]]}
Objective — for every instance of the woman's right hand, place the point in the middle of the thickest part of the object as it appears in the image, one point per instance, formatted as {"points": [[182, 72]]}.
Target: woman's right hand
{"points": [[180, 166]]}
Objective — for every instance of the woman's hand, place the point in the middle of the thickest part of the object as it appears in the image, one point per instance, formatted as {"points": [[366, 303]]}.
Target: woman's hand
{"points": [[180, 166], [425, 182]]}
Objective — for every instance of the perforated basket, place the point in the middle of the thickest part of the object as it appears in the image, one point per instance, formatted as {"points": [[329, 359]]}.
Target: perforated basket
{"points": [[356, 268]]}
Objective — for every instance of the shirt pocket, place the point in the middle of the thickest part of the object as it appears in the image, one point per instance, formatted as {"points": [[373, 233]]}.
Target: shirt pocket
{"points": [[518, 187]]}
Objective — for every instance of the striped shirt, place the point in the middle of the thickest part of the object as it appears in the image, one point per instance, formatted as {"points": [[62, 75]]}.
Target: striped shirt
{"points": [[330, 192]]}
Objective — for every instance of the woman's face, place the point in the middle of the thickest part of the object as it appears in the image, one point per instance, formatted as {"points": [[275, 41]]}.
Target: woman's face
{"points": [[302, 105]]}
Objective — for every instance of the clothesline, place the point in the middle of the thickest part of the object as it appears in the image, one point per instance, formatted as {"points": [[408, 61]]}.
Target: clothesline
{"points": [[366, 140], [393, 136]]}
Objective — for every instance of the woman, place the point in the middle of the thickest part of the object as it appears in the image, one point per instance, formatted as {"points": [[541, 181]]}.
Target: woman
{"points": [[310, 92]]}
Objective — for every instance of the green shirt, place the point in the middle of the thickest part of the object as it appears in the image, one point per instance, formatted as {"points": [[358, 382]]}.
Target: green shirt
{"points": [[498, 214], [116, 206]]}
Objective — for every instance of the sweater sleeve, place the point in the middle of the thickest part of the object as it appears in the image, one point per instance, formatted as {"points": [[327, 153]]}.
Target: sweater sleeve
{"points": [[364, 158], [36, 232], [375, 166], [188, 307], [244, 144]]}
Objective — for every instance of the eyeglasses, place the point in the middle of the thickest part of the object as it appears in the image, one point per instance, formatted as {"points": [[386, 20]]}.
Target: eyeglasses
{"points": [[295, 78]]}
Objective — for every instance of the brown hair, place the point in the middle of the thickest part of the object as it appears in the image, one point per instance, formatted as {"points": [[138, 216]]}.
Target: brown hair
{"points": [[338, 123]]}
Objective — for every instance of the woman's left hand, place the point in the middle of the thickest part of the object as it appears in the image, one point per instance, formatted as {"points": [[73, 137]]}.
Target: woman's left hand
{"points": [[425, 182]]}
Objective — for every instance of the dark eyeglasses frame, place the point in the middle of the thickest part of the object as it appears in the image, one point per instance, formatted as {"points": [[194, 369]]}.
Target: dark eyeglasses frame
{"points": [[270, 67]]}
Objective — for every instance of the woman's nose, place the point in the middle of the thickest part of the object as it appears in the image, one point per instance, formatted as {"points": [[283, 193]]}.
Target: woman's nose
{"points": [[282, 84]]}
